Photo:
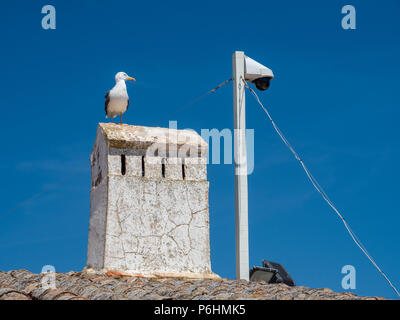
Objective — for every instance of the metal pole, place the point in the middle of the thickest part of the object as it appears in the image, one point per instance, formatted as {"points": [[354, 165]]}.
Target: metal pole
{"points": [[240, 160]]}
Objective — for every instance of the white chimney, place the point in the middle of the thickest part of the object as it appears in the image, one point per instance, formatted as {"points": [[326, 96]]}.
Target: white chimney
{"points": [[149, 202]]}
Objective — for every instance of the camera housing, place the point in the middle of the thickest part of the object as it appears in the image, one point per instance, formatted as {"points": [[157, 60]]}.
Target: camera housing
{"points": [[258, 74], [262, 83]]}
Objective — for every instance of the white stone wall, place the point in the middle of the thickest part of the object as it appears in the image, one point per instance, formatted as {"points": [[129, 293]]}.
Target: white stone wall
{"points": [[157, 226], [150, 218], [97, 225]]}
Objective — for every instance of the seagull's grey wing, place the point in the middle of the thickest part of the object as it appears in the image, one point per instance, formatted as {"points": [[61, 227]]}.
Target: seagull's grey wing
{"points": [[127, 105], [107, 96]]}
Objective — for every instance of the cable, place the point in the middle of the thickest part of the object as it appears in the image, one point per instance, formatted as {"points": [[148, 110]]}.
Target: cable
{"points": [[321, 190], [197, 99]]}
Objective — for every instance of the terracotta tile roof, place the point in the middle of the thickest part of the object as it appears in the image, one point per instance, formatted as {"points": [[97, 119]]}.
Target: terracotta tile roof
{"points": [[24, 285]]}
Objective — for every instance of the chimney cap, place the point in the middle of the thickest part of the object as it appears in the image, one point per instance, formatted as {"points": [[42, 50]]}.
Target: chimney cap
{"points": [[142, 138]]}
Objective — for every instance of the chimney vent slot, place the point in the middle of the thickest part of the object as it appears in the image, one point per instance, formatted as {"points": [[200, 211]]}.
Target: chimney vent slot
{"points": [[163, 168], [123, 164]]}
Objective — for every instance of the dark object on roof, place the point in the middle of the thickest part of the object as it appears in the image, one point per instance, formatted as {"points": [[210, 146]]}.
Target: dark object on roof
{"points": [[271, 272], [282, 275], [262, 274]]}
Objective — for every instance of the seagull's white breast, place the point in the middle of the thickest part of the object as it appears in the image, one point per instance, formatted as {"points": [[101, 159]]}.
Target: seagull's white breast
{"points": [[118, 100]]}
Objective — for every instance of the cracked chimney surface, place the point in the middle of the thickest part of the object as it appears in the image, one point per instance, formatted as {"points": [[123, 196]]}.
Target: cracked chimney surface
{"points": [[149, 202]]}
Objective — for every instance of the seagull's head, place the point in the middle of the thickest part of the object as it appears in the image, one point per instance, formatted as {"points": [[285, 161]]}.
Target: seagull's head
{"points": [[123, 76]]}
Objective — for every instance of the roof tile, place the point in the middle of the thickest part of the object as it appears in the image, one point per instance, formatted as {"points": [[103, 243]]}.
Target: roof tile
{"points": [[23, 285]]}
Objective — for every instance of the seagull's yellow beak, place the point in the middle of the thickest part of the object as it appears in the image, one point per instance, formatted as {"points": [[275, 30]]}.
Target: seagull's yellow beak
{"points": [[130, 78]]}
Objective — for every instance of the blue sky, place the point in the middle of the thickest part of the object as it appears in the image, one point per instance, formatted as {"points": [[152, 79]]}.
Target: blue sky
{"points": [[335, 96]]}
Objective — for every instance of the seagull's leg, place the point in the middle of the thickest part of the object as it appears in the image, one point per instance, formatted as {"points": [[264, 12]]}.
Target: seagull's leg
{"points": [[120, 117]]}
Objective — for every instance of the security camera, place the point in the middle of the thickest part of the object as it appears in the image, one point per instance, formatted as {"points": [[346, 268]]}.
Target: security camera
{"points": [[258, 74], [262, 83]]}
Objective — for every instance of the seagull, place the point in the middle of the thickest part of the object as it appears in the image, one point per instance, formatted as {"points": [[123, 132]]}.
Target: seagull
{"points": [[117, 99]]}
